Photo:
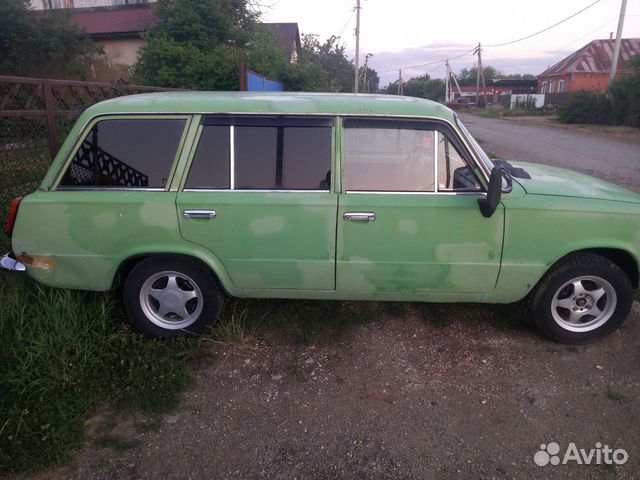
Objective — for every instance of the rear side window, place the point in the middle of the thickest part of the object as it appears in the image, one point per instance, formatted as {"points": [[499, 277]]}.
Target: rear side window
{"points": [[262, 153], [282, 158], [127, 153], [210, 166]]}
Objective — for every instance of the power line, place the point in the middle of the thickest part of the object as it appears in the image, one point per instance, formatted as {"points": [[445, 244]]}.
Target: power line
{"points": [[346, 23], [441, 62], [545, 29], [590, 33], [431, 63]]}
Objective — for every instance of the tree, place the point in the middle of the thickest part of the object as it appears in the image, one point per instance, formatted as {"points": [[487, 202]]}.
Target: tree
{"points": [[515, 76], [44, 44], [373, 80], [469, 76], [330, 57], [625, 96], [423, 86], [199, 44]]}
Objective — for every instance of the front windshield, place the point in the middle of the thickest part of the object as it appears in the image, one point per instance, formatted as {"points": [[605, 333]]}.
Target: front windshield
{"points": [[475, 145]]}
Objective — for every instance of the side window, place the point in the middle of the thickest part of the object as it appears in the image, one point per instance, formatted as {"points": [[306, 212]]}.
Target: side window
{"points": [[389, 159], [127, 153], [265, 153], [282, 158], [210, 166], [453, 172]]}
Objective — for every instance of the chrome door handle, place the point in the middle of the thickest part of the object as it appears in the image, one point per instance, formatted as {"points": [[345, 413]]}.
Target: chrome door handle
{"points": [[359, 216], [199, 214]]}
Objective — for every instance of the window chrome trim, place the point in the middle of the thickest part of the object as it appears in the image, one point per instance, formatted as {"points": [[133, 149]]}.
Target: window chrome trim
{"points": [[232, 157], [474, 157], [385, 192], [112, 189], [227, 190], [436, 179], [484, 170], [268, 120]]}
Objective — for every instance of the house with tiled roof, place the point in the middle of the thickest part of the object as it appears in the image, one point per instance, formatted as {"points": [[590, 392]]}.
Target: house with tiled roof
{"points": [[119, 25], [588, 69], [288, 35]]}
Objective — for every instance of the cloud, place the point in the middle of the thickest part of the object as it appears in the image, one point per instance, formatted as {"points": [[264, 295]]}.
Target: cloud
{"points": [[387, 63]]}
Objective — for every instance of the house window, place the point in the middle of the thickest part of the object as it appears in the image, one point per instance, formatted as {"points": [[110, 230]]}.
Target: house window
{"points": [[561, 86], [552, 87], [544, 87]]}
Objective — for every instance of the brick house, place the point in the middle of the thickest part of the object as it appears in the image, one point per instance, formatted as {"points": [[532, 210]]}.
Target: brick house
{"points": [[588, 68]]}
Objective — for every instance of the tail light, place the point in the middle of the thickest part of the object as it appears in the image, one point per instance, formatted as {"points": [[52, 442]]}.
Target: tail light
{"points": [[13, 213]]}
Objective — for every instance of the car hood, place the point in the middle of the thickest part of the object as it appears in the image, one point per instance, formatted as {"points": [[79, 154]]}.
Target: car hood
{"points": [[546, 180]]}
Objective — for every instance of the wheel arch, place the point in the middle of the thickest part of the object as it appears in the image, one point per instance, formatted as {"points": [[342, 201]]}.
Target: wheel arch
{"points": [[620, 257], [220, 273]]}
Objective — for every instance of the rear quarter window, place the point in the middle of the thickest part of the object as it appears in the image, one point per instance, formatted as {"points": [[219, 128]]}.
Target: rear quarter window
{"points": [[125, 153]]}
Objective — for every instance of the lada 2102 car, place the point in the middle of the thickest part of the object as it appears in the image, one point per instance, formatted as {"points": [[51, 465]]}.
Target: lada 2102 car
{"points": [[183, 198]]}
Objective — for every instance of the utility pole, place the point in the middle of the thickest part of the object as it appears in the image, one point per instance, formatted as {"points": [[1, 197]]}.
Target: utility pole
{"points": [[366, 69], [400, 90], [447, 95], [480, 74], [616, 50], [357, 46]]}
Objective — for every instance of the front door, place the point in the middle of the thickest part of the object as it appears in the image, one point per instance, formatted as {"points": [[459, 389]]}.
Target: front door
{"points": [[408, 220], [258, 196]]}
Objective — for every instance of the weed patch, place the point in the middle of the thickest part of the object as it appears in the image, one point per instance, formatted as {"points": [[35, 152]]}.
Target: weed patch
{"points": [[62, 354]]}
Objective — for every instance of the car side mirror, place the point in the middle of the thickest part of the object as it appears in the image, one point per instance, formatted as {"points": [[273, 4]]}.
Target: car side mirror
{"points": [[489, 204]]}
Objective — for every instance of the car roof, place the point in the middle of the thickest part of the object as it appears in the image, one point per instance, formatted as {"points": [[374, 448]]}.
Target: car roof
{"points": [[294, 103]]}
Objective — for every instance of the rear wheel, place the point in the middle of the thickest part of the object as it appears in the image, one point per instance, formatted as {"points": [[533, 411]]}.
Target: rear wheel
{"points": [[166, 297], [584, 297]]}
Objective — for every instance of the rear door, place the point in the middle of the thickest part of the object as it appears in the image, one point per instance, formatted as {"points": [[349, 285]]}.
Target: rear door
{"points": [[408, 219], [258, 196]]}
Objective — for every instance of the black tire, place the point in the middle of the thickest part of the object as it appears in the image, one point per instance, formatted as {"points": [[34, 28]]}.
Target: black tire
{"points": [[560, 286], [190, 278]]}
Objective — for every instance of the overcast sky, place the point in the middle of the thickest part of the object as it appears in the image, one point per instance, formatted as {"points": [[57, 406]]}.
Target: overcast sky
{"points": [[402, 33]]}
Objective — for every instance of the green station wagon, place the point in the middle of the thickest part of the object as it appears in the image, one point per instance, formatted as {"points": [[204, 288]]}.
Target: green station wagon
{"points": [[180, 199]]}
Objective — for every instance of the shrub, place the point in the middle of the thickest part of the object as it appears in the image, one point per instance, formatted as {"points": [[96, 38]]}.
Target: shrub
{"points": [[625, 96], [622, 106], [587, 107]]}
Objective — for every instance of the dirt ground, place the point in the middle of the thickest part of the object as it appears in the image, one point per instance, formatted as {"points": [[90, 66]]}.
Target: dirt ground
{"points": [[619, 132], [398, 391], [392, 390]]}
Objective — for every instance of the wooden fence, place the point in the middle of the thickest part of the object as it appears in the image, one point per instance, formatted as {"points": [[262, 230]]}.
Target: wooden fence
{"points": [[23, 97]]}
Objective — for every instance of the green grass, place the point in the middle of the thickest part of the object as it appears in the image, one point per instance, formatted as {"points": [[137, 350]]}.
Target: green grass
{"points": [[510, 112], [64, 353]]}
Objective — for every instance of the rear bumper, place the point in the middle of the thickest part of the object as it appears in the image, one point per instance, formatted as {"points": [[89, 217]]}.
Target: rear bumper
{"points": [[8, 262]]}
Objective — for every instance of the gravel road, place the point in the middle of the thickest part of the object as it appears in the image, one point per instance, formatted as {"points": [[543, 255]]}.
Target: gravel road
{"points": [[612, 159]]}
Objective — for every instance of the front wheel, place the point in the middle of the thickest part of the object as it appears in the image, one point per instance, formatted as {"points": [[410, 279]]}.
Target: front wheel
{"points": [[584, 297], [166, 297]]}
